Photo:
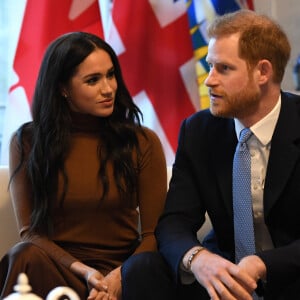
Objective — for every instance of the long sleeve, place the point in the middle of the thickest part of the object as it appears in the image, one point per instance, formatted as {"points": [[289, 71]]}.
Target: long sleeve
{"points": [[152, 189], [21, 192]]}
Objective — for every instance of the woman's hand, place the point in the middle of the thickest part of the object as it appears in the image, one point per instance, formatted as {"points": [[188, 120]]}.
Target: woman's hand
{"points": [[96, 280], [96, 295], [114, 282], [114, 287]]}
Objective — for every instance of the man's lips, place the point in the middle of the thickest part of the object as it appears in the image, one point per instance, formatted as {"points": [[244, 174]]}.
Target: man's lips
{"points": [[215, 96], [214, 93]]}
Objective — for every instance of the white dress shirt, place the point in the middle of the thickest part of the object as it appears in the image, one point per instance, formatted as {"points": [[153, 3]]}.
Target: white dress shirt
{"points": [[260, 145]]}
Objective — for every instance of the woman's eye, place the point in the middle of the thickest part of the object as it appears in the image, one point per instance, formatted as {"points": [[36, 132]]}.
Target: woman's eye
{"points": [[111, 74], [92, 80]]}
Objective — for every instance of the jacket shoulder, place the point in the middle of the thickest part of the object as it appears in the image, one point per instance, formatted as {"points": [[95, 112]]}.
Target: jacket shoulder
{"points": [[206, 121]]}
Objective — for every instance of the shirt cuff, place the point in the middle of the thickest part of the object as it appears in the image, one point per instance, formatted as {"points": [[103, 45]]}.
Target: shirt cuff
{"points": [[185, 277]]}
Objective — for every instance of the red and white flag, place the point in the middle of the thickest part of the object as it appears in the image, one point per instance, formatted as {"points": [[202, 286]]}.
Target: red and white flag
{"points": [[44, 20], [152, 40]]}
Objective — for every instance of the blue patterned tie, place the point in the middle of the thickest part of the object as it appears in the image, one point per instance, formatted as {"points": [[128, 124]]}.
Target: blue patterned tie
{"points": [[242, 200]]}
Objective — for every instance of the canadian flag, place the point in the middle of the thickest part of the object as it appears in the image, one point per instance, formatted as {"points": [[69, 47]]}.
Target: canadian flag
{"points": [[43, 21], [157, 53], [162, 48], [152, 40]]}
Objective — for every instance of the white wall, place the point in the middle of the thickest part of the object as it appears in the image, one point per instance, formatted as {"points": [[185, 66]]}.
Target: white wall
{"points": [[286, 13]]}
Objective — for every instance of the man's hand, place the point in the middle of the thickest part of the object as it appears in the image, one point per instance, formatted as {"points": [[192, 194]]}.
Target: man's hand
{"points": [[222, 278], [254, 266]]}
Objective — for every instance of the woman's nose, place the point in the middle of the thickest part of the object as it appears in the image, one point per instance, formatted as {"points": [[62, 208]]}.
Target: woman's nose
{"points": [[106, 86]]}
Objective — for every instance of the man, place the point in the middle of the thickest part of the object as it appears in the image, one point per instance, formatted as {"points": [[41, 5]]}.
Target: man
{"points": [[247, 55]]}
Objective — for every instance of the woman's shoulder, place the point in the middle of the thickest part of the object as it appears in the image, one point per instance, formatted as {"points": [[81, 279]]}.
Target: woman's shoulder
{"points": [[23, 134], [149, 141], [147, 134]]}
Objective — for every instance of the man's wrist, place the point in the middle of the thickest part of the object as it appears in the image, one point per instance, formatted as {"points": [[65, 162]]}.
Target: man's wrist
{"points": [[190, 256]]}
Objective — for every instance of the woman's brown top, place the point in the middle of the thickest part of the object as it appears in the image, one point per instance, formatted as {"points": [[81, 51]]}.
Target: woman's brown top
{"points": [[100, 233]]}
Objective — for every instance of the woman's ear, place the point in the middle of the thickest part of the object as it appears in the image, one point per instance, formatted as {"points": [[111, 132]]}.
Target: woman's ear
{"points": [[265, 71], [64, 92]]}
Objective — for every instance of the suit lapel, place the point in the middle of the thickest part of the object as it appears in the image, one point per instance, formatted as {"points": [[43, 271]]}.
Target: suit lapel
{"points": [[283, 154], [223, 150]]}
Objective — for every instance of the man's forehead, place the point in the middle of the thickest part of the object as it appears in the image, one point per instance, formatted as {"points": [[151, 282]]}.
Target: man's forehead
{"points": [[225, 45]]}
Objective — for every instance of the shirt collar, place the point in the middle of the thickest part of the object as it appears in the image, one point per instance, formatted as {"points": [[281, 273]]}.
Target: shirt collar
{"points": [[263, 129]]}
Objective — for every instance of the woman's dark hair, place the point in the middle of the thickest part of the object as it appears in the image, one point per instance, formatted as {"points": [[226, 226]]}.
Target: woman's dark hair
{"points": [[50, 128]]}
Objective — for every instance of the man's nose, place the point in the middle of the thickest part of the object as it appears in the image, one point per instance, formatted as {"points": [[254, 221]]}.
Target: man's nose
{"points": [[211, 78]]}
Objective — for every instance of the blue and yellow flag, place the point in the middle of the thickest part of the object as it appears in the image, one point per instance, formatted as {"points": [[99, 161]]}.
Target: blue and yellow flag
{"points": [[200, 13]]}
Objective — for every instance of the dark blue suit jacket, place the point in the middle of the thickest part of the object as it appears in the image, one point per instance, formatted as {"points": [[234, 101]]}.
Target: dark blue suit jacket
{"points": [[202, 181]]}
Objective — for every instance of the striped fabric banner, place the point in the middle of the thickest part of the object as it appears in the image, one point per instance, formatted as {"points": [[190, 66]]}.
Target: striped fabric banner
{"points": [[200, 12]]}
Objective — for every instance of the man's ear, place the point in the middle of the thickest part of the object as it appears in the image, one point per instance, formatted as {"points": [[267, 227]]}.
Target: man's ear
{"points": [[265, 71]]}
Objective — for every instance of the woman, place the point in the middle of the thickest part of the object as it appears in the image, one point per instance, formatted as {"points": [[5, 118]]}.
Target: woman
{"points": [[79, 171]]}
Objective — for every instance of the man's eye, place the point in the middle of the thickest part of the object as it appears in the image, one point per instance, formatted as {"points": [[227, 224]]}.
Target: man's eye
{"points": [[222, 68]]}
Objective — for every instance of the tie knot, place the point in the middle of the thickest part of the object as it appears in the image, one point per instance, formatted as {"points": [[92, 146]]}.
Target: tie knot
{"points": [[245, 135]]}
